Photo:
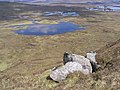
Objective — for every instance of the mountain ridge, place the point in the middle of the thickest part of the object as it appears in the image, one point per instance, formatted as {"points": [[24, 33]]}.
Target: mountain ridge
{"points": [[63, 1]]}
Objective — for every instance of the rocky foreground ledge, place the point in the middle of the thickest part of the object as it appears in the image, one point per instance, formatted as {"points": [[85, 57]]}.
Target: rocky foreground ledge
{"points": [[75, 63]]}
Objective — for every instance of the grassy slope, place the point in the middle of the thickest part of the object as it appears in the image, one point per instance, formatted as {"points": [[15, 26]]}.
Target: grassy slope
{"points": [[28, 59]]}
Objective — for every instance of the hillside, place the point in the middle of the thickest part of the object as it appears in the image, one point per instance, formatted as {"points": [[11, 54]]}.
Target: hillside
{"points": [[108, 77], [26, 61]]}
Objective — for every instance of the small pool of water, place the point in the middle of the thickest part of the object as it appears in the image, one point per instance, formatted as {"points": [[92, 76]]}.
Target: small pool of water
{"points": [[102, 8], [59, 13], [49, 29]]}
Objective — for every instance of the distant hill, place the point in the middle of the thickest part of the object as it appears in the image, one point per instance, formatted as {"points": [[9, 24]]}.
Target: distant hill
{"points": [[64, 1]]}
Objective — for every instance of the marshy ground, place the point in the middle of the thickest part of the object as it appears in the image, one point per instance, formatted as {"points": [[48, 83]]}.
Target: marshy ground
{"points": [[25, 61]]}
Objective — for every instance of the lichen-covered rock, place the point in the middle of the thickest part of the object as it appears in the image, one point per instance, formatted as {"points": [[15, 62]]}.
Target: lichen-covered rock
{"points": [[59, 74], [91, 56], [77, 58], [73, 63], [73, 66]]}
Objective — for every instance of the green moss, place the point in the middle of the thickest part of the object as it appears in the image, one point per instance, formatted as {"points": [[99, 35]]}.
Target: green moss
{"points": [[20, 28], [3, 66], [44, 83], [48, 22], [82, 25]]}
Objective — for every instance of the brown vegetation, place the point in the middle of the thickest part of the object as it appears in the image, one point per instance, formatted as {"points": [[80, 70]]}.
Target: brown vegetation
{"points": [[28, 59]]}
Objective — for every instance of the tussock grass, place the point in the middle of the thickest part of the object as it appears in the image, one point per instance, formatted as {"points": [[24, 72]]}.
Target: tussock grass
{"points": [[25, 61], [47, 22], [3, 66]]}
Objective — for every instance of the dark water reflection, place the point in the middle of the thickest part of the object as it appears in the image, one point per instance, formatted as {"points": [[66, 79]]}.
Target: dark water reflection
{"points": [[50, 29]]}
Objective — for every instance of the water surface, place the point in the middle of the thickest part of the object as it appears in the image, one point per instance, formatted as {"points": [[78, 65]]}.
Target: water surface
{"points": [[49, 29], [59, 13], [108, 8]]}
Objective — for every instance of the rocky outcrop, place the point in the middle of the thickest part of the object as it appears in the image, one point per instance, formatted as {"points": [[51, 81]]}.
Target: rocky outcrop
{"points": [[79, 59], [73, 63]]}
